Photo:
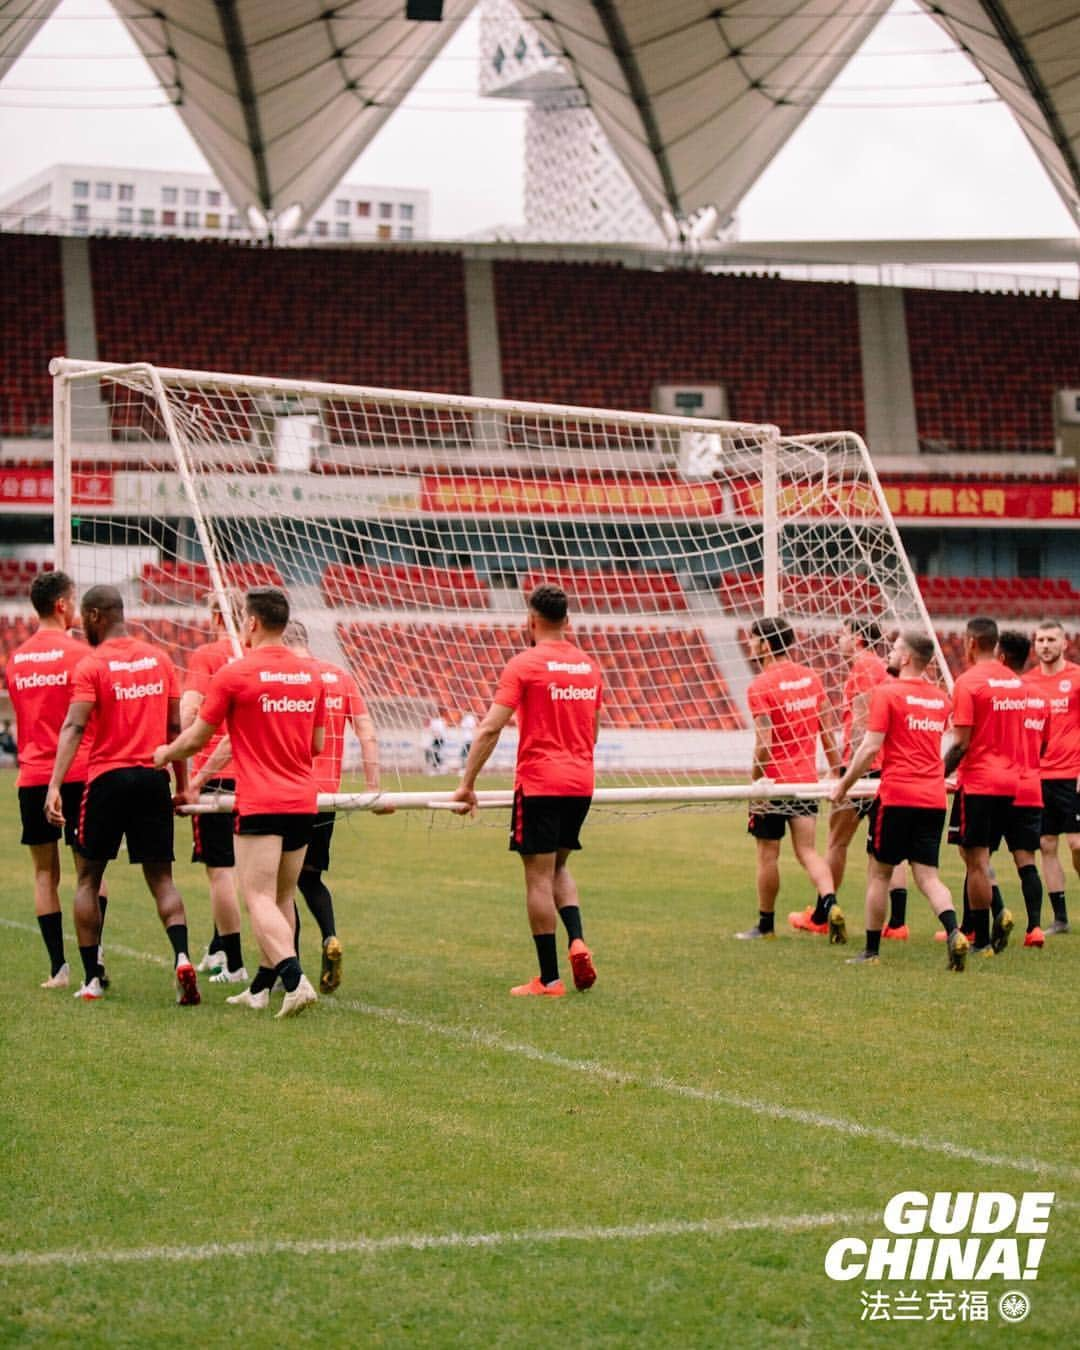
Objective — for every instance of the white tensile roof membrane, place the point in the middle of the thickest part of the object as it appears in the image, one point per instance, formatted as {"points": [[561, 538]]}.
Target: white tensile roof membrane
{"points": [[696, 97]]}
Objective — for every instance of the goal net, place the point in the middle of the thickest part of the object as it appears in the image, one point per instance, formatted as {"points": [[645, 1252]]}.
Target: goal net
{"points": [[409, 528]]}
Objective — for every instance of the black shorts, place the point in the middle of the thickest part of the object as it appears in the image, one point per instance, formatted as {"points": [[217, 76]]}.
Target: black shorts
{"points": [[978, 820], [1061, 806], [905, 834], [546, 824], [1023, 829], [212, 834], [133, 802], [771, 823], [295, 830], [35, 828], [318, 851]]}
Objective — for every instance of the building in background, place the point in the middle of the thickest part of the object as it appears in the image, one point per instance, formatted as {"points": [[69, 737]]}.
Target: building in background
{"points": [[85, 199]]}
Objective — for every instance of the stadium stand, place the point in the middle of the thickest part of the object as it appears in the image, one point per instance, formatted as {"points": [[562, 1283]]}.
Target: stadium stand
{"points": [[31, 331], [16, 575], [189, 583], [1011, 597], [985, 367], [457, 668], [614, 591], [411, 587]]}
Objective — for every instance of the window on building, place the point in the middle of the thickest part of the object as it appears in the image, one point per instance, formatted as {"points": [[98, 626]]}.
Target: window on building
{"points": [[80, 188], [191, 220], [383, 232], [341, 229], [405, 210], [234, 222], [146, 215], [405, 232], [125, 192], [341, 206], [125, 215], [363, 208], [213, 197], [168, 218], [213, 220], [191, 196], [386, 210], [81, 211], [103, 192], [322, 228], [168, 196]]}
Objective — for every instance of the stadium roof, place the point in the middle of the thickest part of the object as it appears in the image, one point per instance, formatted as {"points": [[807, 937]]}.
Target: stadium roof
{"points": [[695, 97]]}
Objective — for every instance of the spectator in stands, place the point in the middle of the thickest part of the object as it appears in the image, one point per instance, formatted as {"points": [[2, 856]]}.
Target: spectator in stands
{"points": [[467, 728], [436, 742], [555, 690], [786, 702], [130, 689], [39, 680], [8, 749]]}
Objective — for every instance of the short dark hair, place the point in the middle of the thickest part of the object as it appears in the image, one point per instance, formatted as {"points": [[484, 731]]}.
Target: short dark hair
{"points": [[270, 605], [777, 632], [549, 601], [1050, 623], [864, 627], [984, 633], [46, 589], [1015, 648], [920, 646], [106, 599]]}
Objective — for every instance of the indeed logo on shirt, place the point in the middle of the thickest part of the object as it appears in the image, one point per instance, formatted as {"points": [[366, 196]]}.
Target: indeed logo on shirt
{"points": [[924, 723], [41, 679], [335, 702], [572, 693], [285, 676], [571, 667], [799, 704], [1009, 704], [37, 656], [285, 704], [143, 663], [129, 691]]}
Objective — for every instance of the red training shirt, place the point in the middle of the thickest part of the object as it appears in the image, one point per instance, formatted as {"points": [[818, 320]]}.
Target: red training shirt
{"points": [[866, 673], [1062, 692], [273, 701], [913, 715], [1029, 787], [992, 701], [344, 701], [791, 696], [130, 683], [39, 680], [203, 665], [555, 689]]}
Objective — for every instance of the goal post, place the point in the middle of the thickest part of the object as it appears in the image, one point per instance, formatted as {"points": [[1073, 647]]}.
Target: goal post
{"points": [[409, 527]]}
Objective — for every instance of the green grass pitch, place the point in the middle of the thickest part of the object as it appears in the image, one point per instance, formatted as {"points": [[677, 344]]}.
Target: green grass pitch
{"points": [[423, 1161]]}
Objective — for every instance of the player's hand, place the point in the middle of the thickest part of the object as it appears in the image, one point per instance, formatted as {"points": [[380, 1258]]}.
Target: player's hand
{"points": [[950, 784], [161, 757], [54, 808], [467, 798], [190, 794], [837, 795]]}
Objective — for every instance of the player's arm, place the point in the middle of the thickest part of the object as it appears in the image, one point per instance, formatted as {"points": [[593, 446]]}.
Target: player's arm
{"points": [[958, 749], [369, 748], [484, 742], [831, 745], [67, 747], [186, 744], [762, 746], [869, 748]]}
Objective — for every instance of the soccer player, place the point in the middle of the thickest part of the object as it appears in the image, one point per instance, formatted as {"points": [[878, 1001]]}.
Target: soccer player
{"points": [[907, 720], [1058, 680], [273, 703], [785, 701], [857, 642], [127, 692], [344, 706], [39, 680], [989, 703], [212, 834], [467, 730], [556, 691], [1024, 828]]}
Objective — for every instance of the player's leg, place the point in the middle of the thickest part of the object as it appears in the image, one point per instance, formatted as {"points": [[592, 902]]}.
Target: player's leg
{"points": [[939, 897], [826, 911], [896, 925], [1059, 818], [767, 829], [979, 884], [542, 915], [258, 857], [171, 912], [320, 902], [45, 860], [87, 915], [843, 822], [299, 993], [573, 811], [1032, 890], [145, 798], [225, 907], [877, 907]]}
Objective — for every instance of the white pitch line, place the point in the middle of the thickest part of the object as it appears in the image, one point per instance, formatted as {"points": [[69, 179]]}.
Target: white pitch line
{"points": [[853, 1129], [423, 1242]]}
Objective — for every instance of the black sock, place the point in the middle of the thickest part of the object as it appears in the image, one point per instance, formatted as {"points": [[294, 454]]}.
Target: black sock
{"points": [[1031, 886], [821, 909], [319, 900], [264, 979], [947, 919], [234, 952], [897, 907], [296, 927], [571, 917], [103, 905], [215, 943], [766, 922], [52, 934], [89, 962], [996, 902], [288, 972], [547, 956], [177, 935], [1057, 904], [980, 923], [873, 941], [967, 924]]}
